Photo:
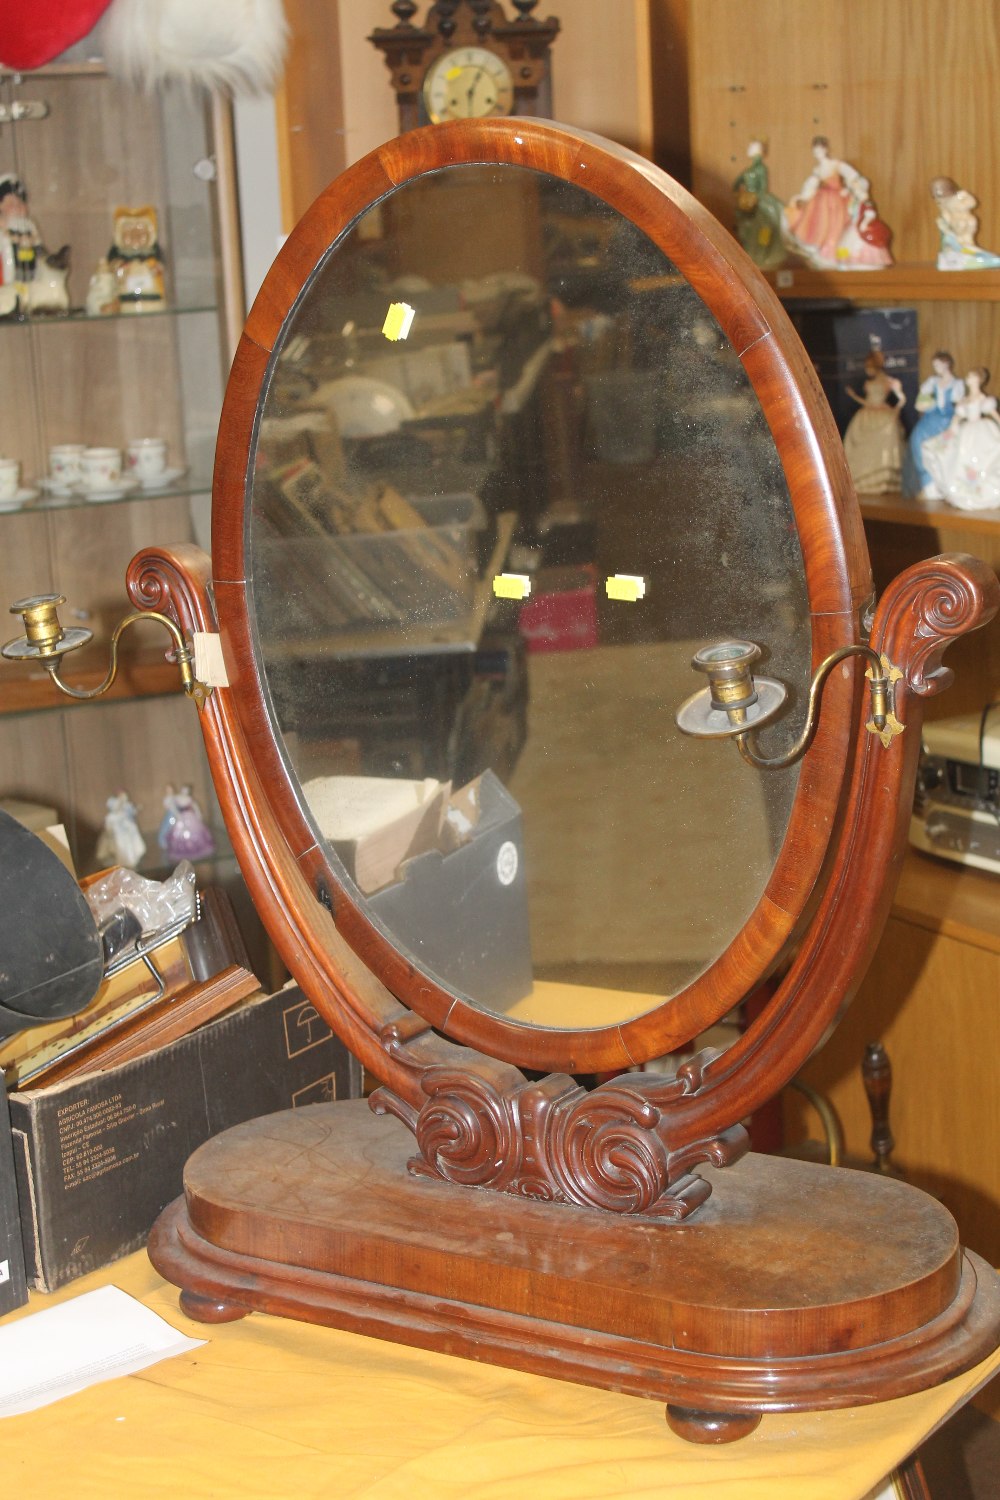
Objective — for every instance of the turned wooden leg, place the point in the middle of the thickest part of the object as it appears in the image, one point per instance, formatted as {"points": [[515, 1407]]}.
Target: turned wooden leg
{"points": [[211, 1309], [711, 1426]]}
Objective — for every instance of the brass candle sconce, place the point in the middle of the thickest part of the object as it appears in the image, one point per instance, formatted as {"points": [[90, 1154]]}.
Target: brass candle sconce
{"points": [[46, 640], [736, 703]]}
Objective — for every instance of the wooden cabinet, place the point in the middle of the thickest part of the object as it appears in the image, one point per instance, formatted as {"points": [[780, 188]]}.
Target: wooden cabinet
{"points": [[932, 996], [904, 90], [107, 380]]}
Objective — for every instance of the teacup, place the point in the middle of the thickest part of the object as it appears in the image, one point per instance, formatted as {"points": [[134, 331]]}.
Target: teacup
{"points": [[146, 459], [10, 478], [64, 463], [100, 468]]}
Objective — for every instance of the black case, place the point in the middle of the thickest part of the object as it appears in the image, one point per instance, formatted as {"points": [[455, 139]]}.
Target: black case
{"points": [[13, 1288]]}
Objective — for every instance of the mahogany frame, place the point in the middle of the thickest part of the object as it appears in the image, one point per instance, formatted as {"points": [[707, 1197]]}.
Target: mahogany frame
{"points": [[629, 1146]]}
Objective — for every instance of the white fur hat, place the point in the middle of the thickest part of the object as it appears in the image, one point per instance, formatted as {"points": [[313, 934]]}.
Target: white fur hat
{"points": [[235, 46]]}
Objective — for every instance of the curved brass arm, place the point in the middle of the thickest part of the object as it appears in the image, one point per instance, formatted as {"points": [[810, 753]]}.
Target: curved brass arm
{"points": [[880, 699], [46, 641], [736, 704], [183, 656]]}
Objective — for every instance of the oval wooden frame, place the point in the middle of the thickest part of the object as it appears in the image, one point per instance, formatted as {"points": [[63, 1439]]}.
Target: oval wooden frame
{"points": [[826, 512]]}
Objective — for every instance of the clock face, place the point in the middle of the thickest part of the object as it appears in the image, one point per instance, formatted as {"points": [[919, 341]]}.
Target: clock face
{"points": [[469, 83]]}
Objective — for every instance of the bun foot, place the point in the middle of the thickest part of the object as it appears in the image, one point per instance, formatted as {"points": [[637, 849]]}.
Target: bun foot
{"points": [[711, 1426], [210, 1309]]}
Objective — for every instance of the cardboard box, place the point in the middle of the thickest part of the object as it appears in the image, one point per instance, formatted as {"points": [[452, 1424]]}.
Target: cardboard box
{"points": [[13, 1287], [99, 1157], [463, 913]]}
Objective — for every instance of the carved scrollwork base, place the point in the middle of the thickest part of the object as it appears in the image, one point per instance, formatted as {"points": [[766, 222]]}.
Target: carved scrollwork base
{"points": [[610, 1148]]}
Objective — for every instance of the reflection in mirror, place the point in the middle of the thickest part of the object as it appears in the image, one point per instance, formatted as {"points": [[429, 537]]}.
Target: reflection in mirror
{"points": [[509, 475]]}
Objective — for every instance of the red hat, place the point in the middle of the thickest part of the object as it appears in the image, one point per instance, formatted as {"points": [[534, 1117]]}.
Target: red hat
{"points": [[31, 35]]}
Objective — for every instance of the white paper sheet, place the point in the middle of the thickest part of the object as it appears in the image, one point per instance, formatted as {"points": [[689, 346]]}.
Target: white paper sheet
{"points": [[97, 1336]]}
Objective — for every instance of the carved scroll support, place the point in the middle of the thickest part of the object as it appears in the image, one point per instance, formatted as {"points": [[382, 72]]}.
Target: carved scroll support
{"points": [[486, 1125]]}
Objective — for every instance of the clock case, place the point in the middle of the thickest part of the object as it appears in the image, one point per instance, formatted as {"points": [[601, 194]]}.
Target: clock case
{"points": [[519, 1218], [524, 43]]}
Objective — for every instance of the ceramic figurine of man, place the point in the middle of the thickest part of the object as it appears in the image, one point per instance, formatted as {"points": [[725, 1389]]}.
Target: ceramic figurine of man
{"points": [[20, 242]]}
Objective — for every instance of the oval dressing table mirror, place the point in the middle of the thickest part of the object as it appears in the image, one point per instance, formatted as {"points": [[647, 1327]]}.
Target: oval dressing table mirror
{"points": [[556, 717]]}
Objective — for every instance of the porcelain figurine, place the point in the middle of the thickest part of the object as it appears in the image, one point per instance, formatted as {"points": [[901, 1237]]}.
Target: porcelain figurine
{"points": [[102, 291], [120, 841], [20, 242], [759, 213], [964, 460], [32, 280], [136, 259], [936, 405], [183, 833], [958, 226], [873, 441], [866, 240], [831, 221]]}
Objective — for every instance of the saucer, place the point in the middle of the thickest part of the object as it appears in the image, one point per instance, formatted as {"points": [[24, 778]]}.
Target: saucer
{"points": [[162, 480], [116, 491], [57, 487], [16, 501]]}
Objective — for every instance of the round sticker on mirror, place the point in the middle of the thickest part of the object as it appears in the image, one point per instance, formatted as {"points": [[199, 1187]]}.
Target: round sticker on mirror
{"points": [[507, 863]]}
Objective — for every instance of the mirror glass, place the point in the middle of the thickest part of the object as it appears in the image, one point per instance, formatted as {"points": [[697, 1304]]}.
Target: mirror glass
{"points": [[508, 476]]}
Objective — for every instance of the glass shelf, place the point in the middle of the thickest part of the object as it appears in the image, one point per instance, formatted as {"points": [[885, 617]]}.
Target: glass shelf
{"points": [[187, 488], [78, 315]]}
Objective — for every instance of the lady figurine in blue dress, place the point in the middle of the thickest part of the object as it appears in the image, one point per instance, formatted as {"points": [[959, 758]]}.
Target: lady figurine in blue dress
{"points": [[936, 403]]}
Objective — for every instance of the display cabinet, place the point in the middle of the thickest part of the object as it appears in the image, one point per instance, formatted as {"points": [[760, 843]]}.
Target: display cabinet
{"points": [[83, 146], [905, 94]]}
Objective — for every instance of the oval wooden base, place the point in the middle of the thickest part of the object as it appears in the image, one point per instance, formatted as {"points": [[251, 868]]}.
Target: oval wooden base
{"points": [[796, 1287]]}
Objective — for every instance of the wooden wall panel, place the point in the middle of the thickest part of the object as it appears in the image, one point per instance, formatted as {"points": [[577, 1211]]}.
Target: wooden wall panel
{"points": [[309, 112]]}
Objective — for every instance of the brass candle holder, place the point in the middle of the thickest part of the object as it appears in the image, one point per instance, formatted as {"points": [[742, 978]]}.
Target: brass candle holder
{"points": [[45, 640]]}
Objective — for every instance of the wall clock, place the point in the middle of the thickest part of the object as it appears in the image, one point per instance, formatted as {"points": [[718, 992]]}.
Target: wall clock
{"points": [[468, 60], [498, 872]]}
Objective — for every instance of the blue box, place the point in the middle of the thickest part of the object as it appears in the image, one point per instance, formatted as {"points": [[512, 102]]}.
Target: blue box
{"points": [[839, 338]]}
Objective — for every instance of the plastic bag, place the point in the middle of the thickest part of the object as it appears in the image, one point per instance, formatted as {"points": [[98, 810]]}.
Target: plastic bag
{"points": [[155, 904]]}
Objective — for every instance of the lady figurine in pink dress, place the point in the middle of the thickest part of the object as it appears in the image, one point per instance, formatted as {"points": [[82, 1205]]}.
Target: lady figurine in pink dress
{"points": [[832, 221], [820, 212]]}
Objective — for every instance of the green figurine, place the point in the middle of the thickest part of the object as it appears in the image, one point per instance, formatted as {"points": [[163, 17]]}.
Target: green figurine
{"points": [[759, 213]]}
